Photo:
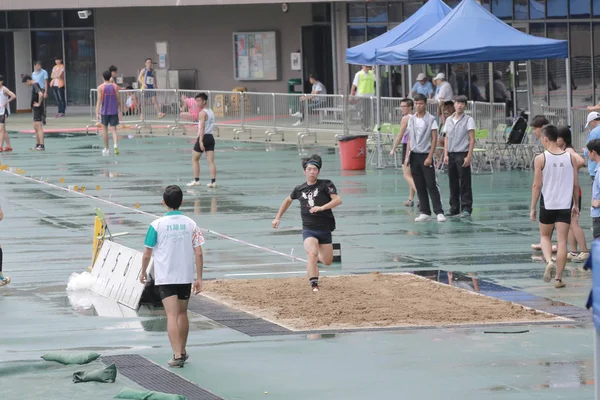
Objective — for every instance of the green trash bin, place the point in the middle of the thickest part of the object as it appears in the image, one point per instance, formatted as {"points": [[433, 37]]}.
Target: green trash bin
{"points": [[292, 83]]}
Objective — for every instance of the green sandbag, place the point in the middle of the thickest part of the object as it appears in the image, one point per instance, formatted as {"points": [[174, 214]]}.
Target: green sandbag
{"points": [[104, 375], [147, 395], [70, 358]]}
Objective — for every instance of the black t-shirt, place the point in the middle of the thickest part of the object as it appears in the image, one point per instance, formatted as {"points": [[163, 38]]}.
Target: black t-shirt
{"points": [[315, 195], [35, 90]]}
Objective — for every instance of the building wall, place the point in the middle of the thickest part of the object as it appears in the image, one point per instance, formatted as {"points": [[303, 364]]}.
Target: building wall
{"points": [[198, 38]]}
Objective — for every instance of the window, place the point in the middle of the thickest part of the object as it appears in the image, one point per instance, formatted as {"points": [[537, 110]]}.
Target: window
{"points": [[596, 4], [45, 46], [502, 8], [377, 13], [46, 19], [357, 13], [18, 20], [2, 20], [558, 8], [580, 8], [395, 12], [411, 7], [321, 12], [485, 4], [72, 20], [581, 62], [80, 65], [539, 79], [556, 68], [521, 9], [537, 9]]}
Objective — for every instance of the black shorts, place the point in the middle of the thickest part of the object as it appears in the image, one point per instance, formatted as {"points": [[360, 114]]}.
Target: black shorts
{"points": [[109, 120], [209, 143], [550, 217], [3, 117], [38, 114], [404, 148], [182, 291], [324, 237]]}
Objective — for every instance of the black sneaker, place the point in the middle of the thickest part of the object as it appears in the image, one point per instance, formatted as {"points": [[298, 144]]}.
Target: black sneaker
{"points": [[451, 214], [177, 362]]}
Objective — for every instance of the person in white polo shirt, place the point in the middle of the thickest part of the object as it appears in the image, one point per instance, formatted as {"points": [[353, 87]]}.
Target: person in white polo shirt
{"points": [[175, 241], [443, 89]]}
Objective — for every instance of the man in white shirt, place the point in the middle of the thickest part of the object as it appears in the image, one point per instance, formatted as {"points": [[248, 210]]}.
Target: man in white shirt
{"points": [[175, 241], [313, 100], [458, 151], [443, 90], [364, 82]]}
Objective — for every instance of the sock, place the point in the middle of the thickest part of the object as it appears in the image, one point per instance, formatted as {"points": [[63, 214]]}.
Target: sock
{"points": [[212, 180], [314, 281], [115, 146], [197, 179]]}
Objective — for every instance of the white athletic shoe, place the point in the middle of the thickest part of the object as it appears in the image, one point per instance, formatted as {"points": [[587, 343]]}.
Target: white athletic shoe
{"points": [[297, 123], [5, 281], [423, 218], [441, 218], [297, 114], [106, 152], [194, 183], [212, 185]]}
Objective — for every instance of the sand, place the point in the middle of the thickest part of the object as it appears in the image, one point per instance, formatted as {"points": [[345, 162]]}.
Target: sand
{"points": [[361, 301]]}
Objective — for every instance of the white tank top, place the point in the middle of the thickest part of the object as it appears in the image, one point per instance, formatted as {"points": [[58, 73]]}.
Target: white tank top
{"points": [[557, 181], [209, 124], [3, 99]]}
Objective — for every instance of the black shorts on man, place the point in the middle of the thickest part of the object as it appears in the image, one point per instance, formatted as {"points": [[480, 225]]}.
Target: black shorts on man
{"points": [[182, 291], [109, 120], [38, 113], [322, 236], [208, 141], [550, 217]]}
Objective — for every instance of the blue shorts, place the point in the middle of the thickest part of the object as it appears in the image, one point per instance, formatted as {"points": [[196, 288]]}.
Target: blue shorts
{"points": [[110, 120], [324, 237]]}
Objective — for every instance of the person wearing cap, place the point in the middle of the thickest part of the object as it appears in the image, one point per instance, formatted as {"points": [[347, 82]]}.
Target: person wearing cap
{"points": [[459, 143], [317, 198], [423, 86], [593, 122], [443, 91], [364, 82]]}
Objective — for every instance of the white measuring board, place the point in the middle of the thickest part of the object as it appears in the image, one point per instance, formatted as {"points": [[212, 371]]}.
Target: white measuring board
{"points": [[116, 272]]}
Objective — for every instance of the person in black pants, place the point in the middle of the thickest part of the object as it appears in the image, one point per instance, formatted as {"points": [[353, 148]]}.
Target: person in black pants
{"points": [[458, 153], [422, 139]]}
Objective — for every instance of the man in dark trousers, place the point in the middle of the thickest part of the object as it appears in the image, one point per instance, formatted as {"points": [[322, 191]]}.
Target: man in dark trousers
{"points": [[458, 152], [422, 139]]}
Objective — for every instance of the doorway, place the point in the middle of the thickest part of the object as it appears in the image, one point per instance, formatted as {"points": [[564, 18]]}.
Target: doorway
{"points": [[317, 57], [7, 63]]}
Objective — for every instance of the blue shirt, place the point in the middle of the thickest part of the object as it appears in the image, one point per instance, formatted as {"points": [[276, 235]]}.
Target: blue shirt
{"points": [[596, 194], [426, 89], [594, 134], [40, 77]]}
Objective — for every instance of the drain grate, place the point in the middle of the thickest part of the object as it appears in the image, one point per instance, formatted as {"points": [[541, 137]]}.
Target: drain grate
{"points": [[152, 376]]}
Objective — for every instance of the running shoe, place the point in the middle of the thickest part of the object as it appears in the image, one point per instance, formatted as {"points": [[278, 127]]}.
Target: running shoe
{"points": [[548, 271], [450, 214], [409, 203], [423, 218], [7, 149], [194, 183], [185, 356], [297, 123], [572, 255], [212, 185], [297, 115], [161, 115], [441, 218], [559, 284], [465, 214], [39, 148], [315, 288], [5, 281], [105, 152], [177, 362], [581, 257], [116, 151]]}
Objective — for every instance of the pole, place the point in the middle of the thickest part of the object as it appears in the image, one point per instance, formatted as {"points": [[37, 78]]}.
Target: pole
{"points": [[378, 116], [568, 69], [491, 99], [334, 47], [410, 81], [529, 91], [513, 82]]}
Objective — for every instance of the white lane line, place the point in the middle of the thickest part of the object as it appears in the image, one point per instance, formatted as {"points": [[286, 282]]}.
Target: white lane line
{"points": [[135, 210]]}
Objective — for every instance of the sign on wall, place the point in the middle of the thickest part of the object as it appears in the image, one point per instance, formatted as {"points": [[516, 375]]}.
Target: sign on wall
{"points": [[255, 56]]}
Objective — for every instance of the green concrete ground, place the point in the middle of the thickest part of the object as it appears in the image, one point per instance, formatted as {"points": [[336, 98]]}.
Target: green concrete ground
{"points": [[46, 236]]}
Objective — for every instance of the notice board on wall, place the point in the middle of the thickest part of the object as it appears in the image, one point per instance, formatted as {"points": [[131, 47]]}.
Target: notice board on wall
{"points": [[255, 56]]}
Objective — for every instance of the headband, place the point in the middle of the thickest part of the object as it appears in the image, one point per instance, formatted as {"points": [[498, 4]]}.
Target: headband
{"points": [[315, 163]]}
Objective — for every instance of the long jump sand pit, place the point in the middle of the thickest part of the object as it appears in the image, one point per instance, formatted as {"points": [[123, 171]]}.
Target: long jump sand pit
{"points": [[367, 301]]}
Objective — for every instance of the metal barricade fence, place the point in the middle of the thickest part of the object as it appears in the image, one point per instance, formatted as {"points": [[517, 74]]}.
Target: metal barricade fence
{"points": [[229, 109], [324, 113], [578, 130], [94, 122], [130, 112], [360, 113], [433, 108], [259, 112], [159, 106], [391, 112], [555, 115]]}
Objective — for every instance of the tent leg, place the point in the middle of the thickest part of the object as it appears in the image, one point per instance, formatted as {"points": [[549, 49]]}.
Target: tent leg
{"points": [[513, 81], [410, 81], [529, 91], [568, 69], [378, 116]]}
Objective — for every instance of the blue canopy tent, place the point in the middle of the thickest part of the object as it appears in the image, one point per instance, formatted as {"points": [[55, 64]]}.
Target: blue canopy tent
{"points": [[427, 16]]}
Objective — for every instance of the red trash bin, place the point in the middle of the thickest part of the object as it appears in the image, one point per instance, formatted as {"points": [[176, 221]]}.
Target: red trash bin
{"points": [[353, 152]]}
